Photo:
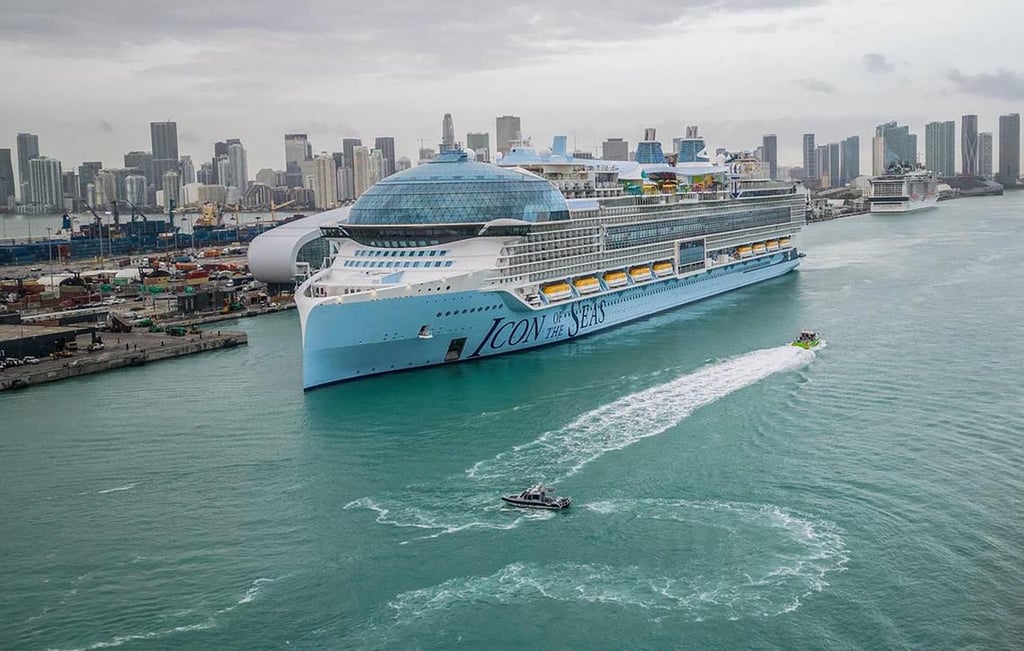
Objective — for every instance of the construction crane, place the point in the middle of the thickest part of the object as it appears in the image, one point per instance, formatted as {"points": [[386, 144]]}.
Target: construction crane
{"points": [[275, 206]]}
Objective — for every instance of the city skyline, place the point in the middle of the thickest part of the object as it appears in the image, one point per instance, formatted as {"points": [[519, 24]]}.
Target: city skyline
{"points": [[476, 79]]}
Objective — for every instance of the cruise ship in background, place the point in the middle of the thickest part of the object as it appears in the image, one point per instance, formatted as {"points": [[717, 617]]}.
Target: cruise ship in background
{"points": [[458, 259], [903, 189]]}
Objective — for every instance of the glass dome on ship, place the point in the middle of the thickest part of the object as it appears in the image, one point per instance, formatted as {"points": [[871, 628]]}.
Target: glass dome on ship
{"points": [[451, 189]]}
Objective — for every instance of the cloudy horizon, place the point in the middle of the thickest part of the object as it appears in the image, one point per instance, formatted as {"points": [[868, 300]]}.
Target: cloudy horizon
{"points": [[91, 77]]}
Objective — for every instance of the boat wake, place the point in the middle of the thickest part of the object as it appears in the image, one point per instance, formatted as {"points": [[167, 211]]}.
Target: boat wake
{"points": [[250, 595], [763, 564], [561, 453]]}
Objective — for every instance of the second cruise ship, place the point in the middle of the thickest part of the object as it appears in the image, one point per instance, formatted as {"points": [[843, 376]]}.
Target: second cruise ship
{"points": [[458, 259]]}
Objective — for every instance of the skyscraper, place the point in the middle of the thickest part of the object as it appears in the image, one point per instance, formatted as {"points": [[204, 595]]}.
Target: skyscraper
{"points": [[615, 149], [850, 159], [1009, 150], [822, 173], [940, 147], [835, 165], [508, 131], [45, 183], [985, 154], [480, 143], [447, 133], [87, 174], [296, 152], [135, 189], [386, 145], [360, 170], [143, 162], [969, 144], [164, 136], [171, 184], [324, 182], [28, 148], [770, 151], [376, 165], [347, 147], [6, 178], [810, 167], [239, 164], [898, 145], [188, 170]]}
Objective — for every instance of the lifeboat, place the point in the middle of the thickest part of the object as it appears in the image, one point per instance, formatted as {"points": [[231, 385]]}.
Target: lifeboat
{"points": [[745, 251], [772, 245], [759, 248], [640, 274], [662, 269], [783, 242], [586, 285], [557, 291], [615, 278]]}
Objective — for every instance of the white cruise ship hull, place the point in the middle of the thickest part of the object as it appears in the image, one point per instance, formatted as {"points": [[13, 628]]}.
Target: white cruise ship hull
{"points": [[905, 206], [346, 340]]}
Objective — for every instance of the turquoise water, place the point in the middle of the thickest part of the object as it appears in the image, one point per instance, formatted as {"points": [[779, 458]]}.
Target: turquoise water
{"points": [[729, 491]]}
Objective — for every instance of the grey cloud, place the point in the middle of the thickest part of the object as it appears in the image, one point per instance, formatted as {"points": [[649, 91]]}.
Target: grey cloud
{"points": [[816, 86], [1003, 84], [104, 126], [390, 37], [877, 63], [188, 137]]}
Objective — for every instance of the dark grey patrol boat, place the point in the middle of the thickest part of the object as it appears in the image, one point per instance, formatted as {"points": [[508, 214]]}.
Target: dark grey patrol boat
{"points": [[538, 497]]}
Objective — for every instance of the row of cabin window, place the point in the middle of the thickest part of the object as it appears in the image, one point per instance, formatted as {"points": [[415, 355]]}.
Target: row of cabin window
{"points": [[392, 254], [388, 263]]}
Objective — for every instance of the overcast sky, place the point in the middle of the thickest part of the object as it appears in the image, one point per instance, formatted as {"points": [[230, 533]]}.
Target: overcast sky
{"points": [[88, 77]]}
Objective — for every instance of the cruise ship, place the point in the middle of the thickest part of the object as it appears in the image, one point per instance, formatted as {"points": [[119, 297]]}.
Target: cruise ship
{"points": [[457, 259], [903, 189]]}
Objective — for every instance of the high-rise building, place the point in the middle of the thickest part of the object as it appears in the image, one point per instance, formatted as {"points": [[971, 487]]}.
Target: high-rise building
{"points": [[164, 136], [171, 185], [403, 163], [877, 155], [376, 165], [347, 146], [143, 162], [835, 165], [323, 181], [770, 147], [940, 147], [188, 170], [223, 171], [615, 149], [386, 145], [297, 150], [361, 177], [87, 174], [850, 159], [985, 154], [898, 146], [480, 143], [238, 162], [810, 167], [6, 178], [45, 183], [447, 133], [509, 130], [28, 148], [1009, 150], [822, 172], [969, 144], [206, 174], [136, 189], [69, 187]]}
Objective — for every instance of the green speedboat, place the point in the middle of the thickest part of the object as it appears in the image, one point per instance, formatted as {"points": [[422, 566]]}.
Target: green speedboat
{"points": [[807, 340]]}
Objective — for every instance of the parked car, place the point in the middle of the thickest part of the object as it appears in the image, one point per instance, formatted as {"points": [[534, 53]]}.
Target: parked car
{"points": [[30, 360], [96, 346]]}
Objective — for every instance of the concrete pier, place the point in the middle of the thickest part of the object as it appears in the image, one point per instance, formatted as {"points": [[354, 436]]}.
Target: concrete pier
{"points": [[120, 350]]}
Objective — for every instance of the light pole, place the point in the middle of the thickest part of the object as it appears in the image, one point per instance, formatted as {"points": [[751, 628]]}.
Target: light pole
{"points": [[49, 251]]}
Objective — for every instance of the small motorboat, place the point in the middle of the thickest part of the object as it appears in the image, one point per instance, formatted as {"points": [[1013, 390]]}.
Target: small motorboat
{"points": [[537, 497], [808, 339]]}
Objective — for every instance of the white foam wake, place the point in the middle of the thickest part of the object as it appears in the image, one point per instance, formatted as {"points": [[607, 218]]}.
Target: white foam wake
{"points": [[118, 489], [561, 453], [250, 594], [782, 558]]}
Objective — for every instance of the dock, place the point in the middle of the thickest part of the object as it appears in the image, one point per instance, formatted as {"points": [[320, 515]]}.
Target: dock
{"points": [[119, 350]]}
